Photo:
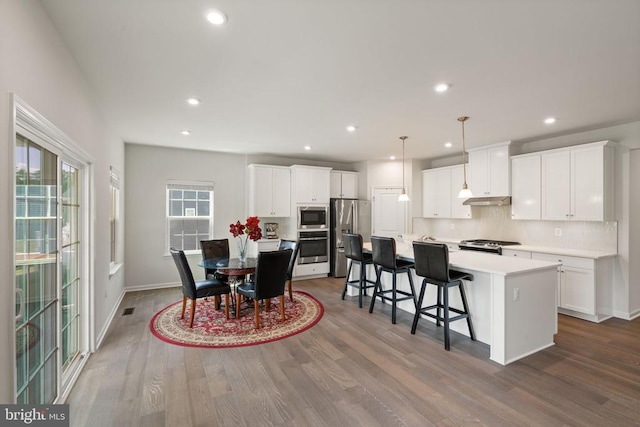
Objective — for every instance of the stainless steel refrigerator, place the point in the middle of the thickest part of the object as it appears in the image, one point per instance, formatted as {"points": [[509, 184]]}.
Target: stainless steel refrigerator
{"points": [[346, 216]]}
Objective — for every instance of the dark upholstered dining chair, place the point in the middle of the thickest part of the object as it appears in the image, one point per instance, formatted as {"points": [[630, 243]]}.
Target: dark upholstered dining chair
{"points": [[269, 282], [293, 245], [214, 249], [193, 290]]}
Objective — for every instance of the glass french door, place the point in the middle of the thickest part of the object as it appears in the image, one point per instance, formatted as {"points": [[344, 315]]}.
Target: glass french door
{"points": [[48, 290]]}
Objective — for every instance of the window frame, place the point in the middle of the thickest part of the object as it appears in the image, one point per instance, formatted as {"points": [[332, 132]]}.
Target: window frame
{"points": [[115, 222], [188, 186]]}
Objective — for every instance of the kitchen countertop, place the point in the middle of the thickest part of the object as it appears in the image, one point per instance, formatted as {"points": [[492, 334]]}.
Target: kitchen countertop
{"points": [[529, 248], [481, 261]]}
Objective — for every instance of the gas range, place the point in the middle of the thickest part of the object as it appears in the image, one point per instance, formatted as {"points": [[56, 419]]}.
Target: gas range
{"points": [[484, 245]]}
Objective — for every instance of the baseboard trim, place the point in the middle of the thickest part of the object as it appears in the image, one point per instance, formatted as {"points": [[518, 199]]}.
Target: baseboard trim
{"points": [[112, 315], [152, 286]]}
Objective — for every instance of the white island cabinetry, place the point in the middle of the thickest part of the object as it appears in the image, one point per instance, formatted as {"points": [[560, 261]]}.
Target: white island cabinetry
{"points": [[512, 301]]}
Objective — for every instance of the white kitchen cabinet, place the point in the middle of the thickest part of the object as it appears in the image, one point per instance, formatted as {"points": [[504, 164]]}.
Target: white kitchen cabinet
{"points": [[526, 192], [344, 185], [440, 187], [267, 245], [577, 183], [311, 184], [269, 191], [489, 170], [585, 289]]}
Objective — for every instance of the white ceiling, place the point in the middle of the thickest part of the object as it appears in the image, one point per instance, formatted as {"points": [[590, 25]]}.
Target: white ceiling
{"points": [[282, 74]]}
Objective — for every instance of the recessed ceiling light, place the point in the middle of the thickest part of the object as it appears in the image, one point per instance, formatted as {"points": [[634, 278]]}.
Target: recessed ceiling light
{"points": [[216, 17], [307, 147], [352, 128], [185, 132], [442, 87], [550, 120], [193, 101], [392, 157], [448, 144]]}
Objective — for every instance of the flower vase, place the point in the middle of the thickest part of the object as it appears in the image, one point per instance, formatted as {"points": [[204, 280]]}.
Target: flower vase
{"points": [[242, 249]]}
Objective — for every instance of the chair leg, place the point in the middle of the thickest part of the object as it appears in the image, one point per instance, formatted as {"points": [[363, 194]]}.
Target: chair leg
{"points": [[216, 302], [267, 305], [193, 312], [226, 306], [256, 311], [438, 316], [416, 317], [282, 308], [184, 305], [413, 289], [472, 335], [346, 281], [394, 297], [362, 284], [238, 301], [445, 297], [290, 290], [375, 289]]}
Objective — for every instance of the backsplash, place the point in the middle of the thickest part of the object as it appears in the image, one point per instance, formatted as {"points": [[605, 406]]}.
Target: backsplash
{"points": [[494, 222]]}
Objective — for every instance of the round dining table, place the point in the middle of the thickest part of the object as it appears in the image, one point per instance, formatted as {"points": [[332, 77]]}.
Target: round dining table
{"points": [[230, 266]]}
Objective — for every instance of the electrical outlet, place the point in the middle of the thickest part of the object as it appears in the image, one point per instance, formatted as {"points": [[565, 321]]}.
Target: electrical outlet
{"points": [[558, 232], [453, 226], [516, 294]]}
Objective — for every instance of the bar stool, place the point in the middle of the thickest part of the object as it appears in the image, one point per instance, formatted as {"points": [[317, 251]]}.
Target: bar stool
{"points": [[432, 263], [353, 252], [384, 259]]}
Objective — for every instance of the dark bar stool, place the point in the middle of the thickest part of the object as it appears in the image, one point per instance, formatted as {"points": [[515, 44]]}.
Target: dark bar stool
{"points": [[384, 259], [353, 251], [432, 263]]}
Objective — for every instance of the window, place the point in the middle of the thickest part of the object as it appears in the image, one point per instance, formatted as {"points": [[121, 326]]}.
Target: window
{"points": [[189, 215], [114, 215]]}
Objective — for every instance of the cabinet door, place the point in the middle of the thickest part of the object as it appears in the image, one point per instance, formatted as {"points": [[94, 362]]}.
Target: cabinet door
{"points": [[479, 173], [350, 185], [556, 186], [587, 184], [577, 290], [436, 188], [281, 192], [458, 210], [336, 185], [320, 183], [525, 188], [499, 183], [262, 193], [304, 185]]}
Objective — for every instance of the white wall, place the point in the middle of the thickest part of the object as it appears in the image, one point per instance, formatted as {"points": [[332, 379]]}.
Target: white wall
{"points": [[37, 67]]}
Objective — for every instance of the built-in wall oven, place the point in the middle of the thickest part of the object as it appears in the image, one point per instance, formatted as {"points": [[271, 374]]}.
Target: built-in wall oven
{"points": [[313, 217], [314, 247]]}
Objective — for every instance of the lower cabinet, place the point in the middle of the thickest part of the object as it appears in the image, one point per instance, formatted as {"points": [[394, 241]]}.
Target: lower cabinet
{"points": [[585, 289]]}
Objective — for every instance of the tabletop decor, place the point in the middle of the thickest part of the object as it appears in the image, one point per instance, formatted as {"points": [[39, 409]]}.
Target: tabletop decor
{"points": [[244, 232], [212, 330]]}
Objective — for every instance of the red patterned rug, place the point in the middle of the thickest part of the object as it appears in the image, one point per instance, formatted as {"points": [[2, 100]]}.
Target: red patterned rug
{"points": [[211, 329]]}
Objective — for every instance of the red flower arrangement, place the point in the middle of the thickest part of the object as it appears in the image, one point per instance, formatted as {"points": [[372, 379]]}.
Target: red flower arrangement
{"points": [[250, 230]]}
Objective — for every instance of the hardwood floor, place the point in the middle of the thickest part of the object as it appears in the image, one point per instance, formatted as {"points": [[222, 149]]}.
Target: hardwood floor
{"points": [[356, 368]]}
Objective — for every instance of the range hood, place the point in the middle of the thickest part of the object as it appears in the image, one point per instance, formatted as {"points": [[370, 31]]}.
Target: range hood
{"points": [[488, 201]]}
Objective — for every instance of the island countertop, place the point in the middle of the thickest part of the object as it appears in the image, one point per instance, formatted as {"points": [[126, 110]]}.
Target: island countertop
{"points": [[481, 261]]}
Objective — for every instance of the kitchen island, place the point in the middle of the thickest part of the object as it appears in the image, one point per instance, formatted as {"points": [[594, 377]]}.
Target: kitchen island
{"points": [[512, 301]]}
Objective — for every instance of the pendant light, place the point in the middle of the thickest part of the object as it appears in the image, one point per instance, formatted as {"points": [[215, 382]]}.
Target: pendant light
{"points": [[404, 197], [465, 193]]}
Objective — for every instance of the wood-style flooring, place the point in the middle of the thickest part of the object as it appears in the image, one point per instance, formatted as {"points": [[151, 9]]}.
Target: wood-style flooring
{"points": [[355, 368]]}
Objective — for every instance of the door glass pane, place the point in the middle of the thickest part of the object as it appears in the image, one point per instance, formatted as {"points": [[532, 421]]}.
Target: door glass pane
{"points": [[36, 271]]}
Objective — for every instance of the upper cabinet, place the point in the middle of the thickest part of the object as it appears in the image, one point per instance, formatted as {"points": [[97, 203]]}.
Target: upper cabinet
{"points": [[344, 185], [526, 196], [311, 184], [269, 191], [440, 189], [489, 170], [577, 183]]}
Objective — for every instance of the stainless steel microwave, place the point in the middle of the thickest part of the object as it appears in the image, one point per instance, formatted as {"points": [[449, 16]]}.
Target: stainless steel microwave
{"points": [[313, 217]]}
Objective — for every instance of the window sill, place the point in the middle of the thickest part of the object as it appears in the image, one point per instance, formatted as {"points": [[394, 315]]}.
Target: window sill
{"points": [[114, 268]]}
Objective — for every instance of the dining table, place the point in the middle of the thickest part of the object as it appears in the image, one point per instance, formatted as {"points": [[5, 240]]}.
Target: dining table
{"points": [[232, 267]]}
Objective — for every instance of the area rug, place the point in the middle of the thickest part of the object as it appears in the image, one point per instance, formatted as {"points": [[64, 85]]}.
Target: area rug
{"points": [[211, 329]]}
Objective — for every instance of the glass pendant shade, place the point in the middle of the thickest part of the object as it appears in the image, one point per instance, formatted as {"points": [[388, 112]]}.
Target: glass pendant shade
{"points": [[403, 196]]}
